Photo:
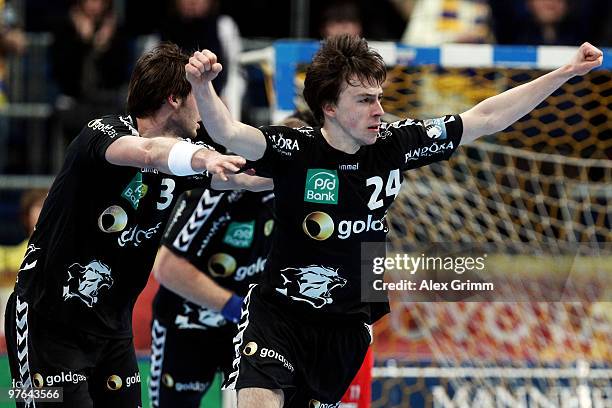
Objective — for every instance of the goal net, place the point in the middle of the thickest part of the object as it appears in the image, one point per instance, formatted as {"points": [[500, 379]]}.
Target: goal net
{"points": [[535, 197]]}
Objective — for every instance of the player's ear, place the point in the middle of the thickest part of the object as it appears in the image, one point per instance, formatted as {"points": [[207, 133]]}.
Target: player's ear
{"points": [[173, 101], [329, 109]]}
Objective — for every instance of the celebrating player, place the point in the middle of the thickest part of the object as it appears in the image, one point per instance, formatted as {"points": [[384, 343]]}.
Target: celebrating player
{"points": [[69, 318], [302, 335]]}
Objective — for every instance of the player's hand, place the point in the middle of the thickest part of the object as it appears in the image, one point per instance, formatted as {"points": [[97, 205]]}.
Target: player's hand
{"points": [[220, 164], [202, 67], [587, 58]]}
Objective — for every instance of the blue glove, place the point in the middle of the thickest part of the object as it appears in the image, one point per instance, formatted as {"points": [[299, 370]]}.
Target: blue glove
{"points": [[231, 310]]}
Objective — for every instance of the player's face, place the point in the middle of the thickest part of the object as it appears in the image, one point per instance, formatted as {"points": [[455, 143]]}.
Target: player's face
{"points": [[548, 11], [184, 121], [358, 111]]}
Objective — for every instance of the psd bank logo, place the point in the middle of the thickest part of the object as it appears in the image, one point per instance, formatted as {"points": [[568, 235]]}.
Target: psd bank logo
{"points": [[240, 234], [321, 186]]}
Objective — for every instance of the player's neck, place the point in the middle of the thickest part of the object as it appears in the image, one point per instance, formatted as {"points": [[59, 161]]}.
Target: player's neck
{"points": [[338, 138], [152, 126]]}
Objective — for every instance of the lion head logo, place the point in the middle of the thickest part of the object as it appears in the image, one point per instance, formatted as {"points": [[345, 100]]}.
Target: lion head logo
{"points": [[84, 282], [311, 284], [197, 317]]}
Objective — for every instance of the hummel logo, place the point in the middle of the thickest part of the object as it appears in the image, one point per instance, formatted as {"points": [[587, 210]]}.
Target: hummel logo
{"points": [[348, 166], [205, 207]]}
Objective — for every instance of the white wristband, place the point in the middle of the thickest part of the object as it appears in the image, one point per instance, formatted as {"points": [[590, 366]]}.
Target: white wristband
{"points": [[179, 159]]}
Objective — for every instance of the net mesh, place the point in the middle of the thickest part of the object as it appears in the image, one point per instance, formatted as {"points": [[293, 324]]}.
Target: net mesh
{"points": [[538, 188]]}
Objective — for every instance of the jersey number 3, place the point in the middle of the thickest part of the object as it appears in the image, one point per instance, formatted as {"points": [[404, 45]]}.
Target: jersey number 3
{"points": [[165, 195], [392, 188]]}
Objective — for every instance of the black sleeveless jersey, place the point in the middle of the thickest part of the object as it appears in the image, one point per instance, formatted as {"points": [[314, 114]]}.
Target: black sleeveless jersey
{"points": [[329, 202], [227, 236], [98, 233]]}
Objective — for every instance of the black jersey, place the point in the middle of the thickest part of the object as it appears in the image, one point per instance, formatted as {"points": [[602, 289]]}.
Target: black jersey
{"points": [[226, 236], [329, 202], [98, 233]]}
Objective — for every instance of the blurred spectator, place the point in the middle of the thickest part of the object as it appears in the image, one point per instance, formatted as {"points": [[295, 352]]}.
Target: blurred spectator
{"points": [[379, 19], [12, 42], [197, 25], [435, 22], [43, 15], [11, 255], [90, 59], [341, 17], [549, 22], [605, 36], [259, 19], [254, 18]]}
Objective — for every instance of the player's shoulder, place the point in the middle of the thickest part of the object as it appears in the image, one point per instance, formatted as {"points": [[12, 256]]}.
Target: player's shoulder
{"points": [[434, 128], [112, 126], [289, 141]]}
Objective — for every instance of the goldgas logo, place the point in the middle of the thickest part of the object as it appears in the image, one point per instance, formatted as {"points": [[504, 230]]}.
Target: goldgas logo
{"points": [[321, 186], [268, 227], [113, 219], [240, 234], [167, 380], [318, 225], [114, 382], [250, 348], [37, 380], [221, 265]]}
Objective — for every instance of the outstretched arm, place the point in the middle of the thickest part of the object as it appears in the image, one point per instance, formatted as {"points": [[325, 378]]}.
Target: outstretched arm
{"points": [[238, 137], [498, 112], [181, 277], [242, 181], [171, 156]]}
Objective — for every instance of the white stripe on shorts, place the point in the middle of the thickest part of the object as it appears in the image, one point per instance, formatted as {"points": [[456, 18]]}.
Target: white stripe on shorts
{"points": [[158, 345], [230, 383], [21, 323]]}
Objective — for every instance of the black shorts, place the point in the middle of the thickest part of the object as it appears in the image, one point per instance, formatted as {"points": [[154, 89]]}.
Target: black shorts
{"points": [[184, 363], [90, 370], [313, 362]]}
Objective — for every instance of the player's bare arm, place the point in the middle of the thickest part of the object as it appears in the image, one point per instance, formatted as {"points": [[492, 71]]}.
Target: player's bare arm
{"points": [[171, 156], [238, 137], [498, 112], [242, 181], [181, 277]]}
